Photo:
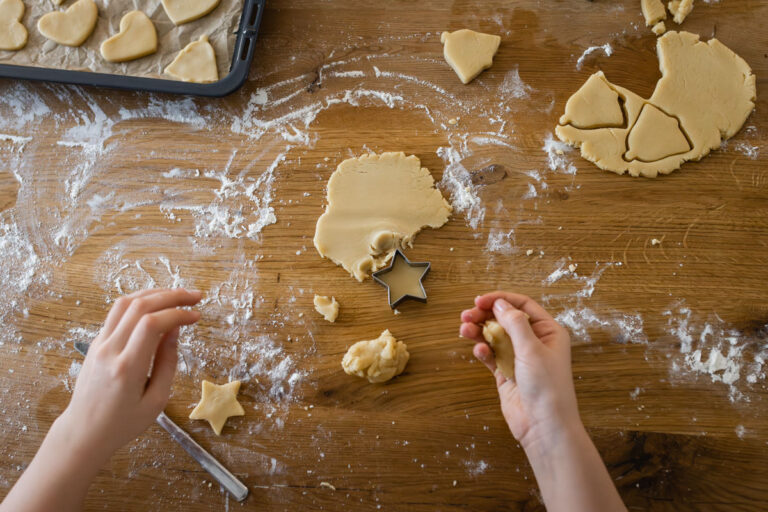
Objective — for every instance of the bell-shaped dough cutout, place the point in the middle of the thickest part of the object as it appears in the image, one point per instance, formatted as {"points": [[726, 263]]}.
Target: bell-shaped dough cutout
{"points": [[195, 63], [655, 135], [594, 105], [13, 35], [469, 52], [184, 11], [71, 27], [137, 38]]}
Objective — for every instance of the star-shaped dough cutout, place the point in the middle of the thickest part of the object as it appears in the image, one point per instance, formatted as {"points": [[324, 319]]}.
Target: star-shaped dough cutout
{"points": [[403, 279], [218, 403]]}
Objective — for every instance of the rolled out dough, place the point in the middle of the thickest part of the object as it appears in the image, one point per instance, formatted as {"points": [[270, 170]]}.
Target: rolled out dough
{"points": [[705, 94], [469, 52], [13, 35], [137, 38], [376, 360], [71, 27], [501, 344], [196, 62], [184, 11], [328, 307], [376, 204]]}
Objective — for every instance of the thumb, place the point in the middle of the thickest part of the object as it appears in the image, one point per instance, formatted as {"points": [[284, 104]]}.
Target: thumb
{"points": [[518, 326]]}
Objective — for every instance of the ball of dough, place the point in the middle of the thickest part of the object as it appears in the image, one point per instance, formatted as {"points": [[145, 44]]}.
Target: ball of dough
{"points": [[376, 360]]}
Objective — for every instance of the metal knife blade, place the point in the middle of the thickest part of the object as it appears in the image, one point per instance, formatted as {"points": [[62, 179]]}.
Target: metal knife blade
{"points": [[227, 480]]}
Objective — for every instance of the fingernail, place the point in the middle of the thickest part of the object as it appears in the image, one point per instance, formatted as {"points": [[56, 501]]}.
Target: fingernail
{"points": [[501, 305]]}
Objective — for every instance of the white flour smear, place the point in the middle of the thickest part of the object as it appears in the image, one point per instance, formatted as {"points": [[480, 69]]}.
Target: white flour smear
{"points": [[606, 48]]}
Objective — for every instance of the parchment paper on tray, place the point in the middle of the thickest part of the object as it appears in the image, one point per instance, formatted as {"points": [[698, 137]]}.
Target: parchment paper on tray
{"points": [[220, 26]]}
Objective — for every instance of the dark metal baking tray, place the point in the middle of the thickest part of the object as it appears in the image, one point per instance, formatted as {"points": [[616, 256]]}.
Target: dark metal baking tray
{"points": [[245, 45]]}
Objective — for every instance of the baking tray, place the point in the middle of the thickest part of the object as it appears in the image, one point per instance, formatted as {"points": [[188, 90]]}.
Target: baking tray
{"points": [[245, 45]]}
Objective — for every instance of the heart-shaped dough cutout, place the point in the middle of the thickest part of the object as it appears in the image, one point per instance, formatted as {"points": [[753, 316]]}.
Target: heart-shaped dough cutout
{"points": [[71, 27], [13, 35], [137, 38], [184, 11], [195, 63]]}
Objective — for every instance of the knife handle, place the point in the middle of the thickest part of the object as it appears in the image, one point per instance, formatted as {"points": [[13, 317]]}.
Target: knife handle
{"points": [[235, 487]]}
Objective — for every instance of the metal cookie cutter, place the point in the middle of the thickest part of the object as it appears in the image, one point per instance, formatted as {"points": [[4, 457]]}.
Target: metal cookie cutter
{"points": [[381, 277]]}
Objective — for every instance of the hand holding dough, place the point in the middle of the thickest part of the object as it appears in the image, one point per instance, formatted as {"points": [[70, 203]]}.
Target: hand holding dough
{"points": [[195, 63], [376, 360], [184, 11], [137, 38], [469, 52], [71, 27], [218, 403], [502, 347], [13, 35]]}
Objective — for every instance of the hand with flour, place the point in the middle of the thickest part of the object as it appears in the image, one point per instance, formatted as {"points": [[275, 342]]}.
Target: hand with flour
{"points": [[539, 404], [123, 385]]}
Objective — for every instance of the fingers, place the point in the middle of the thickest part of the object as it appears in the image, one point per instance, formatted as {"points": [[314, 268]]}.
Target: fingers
{"points": [[521, 302], [163, 370], [518, 326], [476, 315], [148, 304], [118, 310], [145, 340], [484, 354], [471, 331]]}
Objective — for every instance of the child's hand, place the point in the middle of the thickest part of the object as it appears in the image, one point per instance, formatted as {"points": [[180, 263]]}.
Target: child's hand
{"points": [[541, 402], [115, 397]]}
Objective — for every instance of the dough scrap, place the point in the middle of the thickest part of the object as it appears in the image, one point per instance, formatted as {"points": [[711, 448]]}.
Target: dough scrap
{"points": [[659, 28], [376, 204], [137, 38], [328, 307], [184, 11], [502, 347], [653, 11], [707, 87], [13, 34], [595, 104], [71, 27], [376, 360], [218, 402], [680, 9], [195, 63], [469, 53]]}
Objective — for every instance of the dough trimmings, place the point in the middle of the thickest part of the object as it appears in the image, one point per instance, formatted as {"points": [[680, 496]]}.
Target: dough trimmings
{"points": [[328, 307], [71, 27], [376, 360], [680, 9], [377, 204], [704, 96], [184, 11], [469, 53], [13, 34], [653, 11], [137, 38], [218, 402], [502, 347], [195, 63]]}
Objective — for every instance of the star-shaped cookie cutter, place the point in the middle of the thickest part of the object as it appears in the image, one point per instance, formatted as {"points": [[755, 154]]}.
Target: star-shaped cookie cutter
{"points": [[378, 276]]}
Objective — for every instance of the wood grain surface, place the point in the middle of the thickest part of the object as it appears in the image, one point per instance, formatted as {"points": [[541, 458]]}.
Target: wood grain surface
{"points": [[335, 79]]}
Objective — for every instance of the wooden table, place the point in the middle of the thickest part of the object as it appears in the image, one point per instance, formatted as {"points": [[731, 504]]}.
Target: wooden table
{"points": [[333, 80]]}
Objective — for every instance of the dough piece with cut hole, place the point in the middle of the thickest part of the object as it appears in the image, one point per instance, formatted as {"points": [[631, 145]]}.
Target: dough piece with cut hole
{"points": [[137, 38], [184, 11], [218, 402], [469, 52], [13, 35], [195, 63], [328, 307], [680, 9], [71, 27], [655, 136], [709, 89], [659, 28], [376, 360], [653, 11], [502, 347], [594, 105], [376, 204]]}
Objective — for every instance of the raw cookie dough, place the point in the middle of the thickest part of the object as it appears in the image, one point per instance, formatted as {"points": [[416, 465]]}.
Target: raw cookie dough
{"points": [[71, 27], [680, 9], [376, 204], [469, 52], [217, 404], [195, 63], [328, 307], [184, 11], [659, 28], [595, 104], [501, 344], [13, 35], [653, 11], [376, 360], [137, 38], [705, 87]]}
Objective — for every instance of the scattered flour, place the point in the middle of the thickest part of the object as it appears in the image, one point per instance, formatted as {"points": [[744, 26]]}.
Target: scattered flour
{"points": [[607, 49]]}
